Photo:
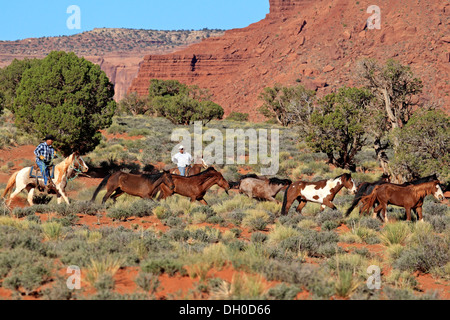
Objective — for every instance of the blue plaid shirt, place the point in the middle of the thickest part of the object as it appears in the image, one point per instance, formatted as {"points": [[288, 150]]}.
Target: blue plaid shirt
{"points": [[44, 150]]}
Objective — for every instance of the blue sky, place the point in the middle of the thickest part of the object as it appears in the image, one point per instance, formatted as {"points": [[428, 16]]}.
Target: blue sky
{"points": [[29, 19]]}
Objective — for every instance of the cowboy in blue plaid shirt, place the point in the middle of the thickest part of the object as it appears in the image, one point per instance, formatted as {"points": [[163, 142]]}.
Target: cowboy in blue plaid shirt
{"points": [[44, 157]]}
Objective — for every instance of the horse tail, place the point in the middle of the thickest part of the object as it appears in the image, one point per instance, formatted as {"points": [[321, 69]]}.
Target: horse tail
{"points": [[283, 208], [100, 187], [368, 201], [354, 203], [11, 183]]}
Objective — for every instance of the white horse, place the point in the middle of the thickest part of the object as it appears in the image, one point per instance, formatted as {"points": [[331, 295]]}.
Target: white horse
{"points": [[69, 168]]}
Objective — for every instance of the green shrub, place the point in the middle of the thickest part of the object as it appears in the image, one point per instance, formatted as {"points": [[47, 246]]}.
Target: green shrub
{"points": [[283, 292], [255, 219], [433, 252], [394, 233], [163, 265], [238, 116]]}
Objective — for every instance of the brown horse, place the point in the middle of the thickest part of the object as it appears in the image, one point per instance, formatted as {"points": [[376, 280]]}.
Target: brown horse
{"points": [[194, 187], [322, 192], [192, 170], [141, 185], [409, 197], [260, 188]]}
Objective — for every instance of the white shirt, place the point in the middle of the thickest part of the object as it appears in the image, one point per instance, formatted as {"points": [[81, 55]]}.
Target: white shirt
{"points": [[182, 159]]}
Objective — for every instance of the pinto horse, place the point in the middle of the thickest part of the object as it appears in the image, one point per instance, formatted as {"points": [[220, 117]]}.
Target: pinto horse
{"points": [[260, 188], [409, 197], [140, 185], [194, 187], [69, 168], [322, 192]]}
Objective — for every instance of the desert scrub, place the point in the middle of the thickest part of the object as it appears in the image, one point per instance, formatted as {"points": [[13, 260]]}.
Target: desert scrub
{"points": [[179, 205], [307, 224], [427, 252], [148, 282], [199, 264], [315, 244], [203, 234], [22, 269], [365, 235], [283, 291], [53, 231], [238, 202], [395, 233], [401, 279], [329, 215], [106, 265], [242, 287], [163, 265], [256, 219], [281, 233]]}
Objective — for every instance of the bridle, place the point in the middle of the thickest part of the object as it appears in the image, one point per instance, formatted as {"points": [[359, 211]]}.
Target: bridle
{"points": [[76, 169]]}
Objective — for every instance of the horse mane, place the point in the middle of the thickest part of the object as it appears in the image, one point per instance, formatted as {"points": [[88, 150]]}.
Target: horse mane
{"points": [[152, 177], [249, 175], [347, 175], [280, 181], [65, 167], [421, 190], [204, 172], [429, 178]]}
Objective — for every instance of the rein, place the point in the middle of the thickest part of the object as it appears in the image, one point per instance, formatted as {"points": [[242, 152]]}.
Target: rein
{"points": [[78, 171]]}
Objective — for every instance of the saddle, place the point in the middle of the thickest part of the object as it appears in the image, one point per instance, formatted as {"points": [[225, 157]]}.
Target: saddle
{"points": [[38, 174]]}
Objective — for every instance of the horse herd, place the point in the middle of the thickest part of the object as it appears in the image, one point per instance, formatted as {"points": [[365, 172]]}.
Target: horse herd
{"points": [[161, 185]]}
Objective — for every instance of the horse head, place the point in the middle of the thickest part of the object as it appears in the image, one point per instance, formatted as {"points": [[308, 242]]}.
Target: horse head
{"points": [[385, 177], [348, 182], [78, 163], [438, 194], [221, 182], [167, 179]]}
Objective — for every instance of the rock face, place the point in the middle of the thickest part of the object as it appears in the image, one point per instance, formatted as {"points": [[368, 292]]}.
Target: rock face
{"points": [[117, 51], [315, 43]]}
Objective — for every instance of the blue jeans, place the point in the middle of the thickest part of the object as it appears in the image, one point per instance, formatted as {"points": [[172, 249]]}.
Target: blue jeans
{"points": [[44, 170], [182, 171]]}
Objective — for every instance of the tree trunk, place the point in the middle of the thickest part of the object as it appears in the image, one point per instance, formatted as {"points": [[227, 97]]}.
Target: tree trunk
{"points": [[382, 156]]}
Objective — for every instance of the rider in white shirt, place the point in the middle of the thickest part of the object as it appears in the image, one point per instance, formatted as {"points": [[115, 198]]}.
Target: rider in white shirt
{"points": [[182, 159]]}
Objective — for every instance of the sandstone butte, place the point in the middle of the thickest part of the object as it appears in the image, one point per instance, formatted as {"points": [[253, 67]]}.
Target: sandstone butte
{"points": [[315, 43]]}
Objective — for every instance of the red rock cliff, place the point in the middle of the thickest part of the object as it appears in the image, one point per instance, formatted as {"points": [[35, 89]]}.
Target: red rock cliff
{"points": [[314, 43]]}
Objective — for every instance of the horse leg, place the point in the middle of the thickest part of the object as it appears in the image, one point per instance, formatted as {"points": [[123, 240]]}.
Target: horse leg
{"points": [[118, 192], [202, 201], [63, 195], [30, 196], [301, 205], [376, 211], [408, 214], [107, 195], [15, 193], [329, 204], [419, 214]]}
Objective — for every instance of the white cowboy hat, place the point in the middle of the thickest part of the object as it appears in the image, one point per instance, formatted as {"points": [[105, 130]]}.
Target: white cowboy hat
{"points": [[180, 147]]}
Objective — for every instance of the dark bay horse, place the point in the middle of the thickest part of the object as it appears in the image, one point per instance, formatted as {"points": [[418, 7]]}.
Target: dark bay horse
{"points": [[260, 188], [409, 197], [140, 185], [322, 192], [194, 187], [366, 189]]}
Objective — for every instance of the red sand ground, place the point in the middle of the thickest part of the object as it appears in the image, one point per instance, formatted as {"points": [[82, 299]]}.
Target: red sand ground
{"points": [[178, 287]]}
